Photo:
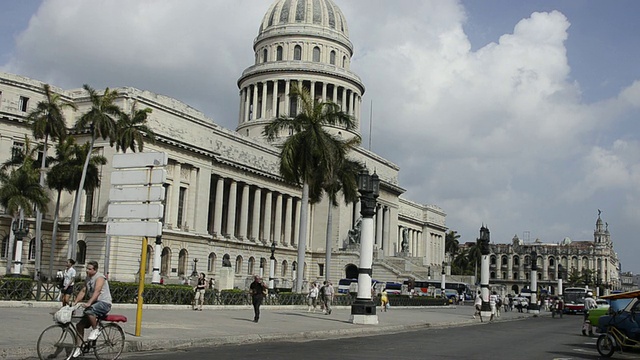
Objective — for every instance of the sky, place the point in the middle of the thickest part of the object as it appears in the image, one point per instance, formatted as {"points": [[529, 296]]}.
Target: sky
{"points": [[520, 115]]}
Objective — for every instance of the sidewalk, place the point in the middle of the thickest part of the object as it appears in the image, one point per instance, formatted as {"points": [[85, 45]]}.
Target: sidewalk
{"points": [[176, 327]]}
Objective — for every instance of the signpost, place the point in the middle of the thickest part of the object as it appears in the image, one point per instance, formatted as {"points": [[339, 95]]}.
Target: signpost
{"points": [[135, 207]]}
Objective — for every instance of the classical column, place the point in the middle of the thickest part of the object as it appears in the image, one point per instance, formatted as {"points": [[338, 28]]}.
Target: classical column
{"points": [[335, 93], [352, 104], [246, 103], [277, 221], [217, 216], [254, 108], [510, 267], [386, 229], [255, 219], [244, 212], [288, 217], [287, 100], [343, 100], [175, 196], [379, 222], [275, 99], [296, 224], [231, 211], [356, 213], [266, 237], [241, 108], [545, 267], [324, 92], [263, 112], [313, 91]]}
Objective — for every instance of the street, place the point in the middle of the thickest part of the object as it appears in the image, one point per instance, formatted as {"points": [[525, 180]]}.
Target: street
{"points": [[534, 338]]}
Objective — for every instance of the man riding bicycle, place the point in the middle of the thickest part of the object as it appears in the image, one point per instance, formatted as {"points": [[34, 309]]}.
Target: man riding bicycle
{"points": [[98, 305]]}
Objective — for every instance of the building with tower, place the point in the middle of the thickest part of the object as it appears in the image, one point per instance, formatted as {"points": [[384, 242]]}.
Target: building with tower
{"points": [[225, 202]]}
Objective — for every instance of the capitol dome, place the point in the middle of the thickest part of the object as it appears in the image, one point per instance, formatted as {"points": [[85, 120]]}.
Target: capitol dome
{"points": [[323, 14]]}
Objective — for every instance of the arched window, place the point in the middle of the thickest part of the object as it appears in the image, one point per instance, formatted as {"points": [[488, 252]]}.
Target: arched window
{"points": [[251, 265], [32, 249], [182, 262], [265, 55], [539, 276], [316, 54], [165, 262], [238, 264], [211, 263], [526, 275], [505, 261], [516, 261], [284, 268], [4, 252], [493, 259], [504, 275], [493, 275], [515, 275], [297, 52], [552, 262], [81, 253], [332, 57], [279, 53], [263, 266], [344, 61]]}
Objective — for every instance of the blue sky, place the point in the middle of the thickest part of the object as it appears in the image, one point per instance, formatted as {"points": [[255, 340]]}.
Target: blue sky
{"points": [[522, 115]]}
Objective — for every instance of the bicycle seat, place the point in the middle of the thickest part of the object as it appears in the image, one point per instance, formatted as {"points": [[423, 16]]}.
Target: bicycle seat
{"points": [[115, 318]]}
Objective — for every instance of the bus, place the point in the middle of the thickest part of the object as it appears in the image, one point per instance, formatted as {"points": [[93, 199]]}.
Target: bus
{"points": [[421, 287], [574, 299], [346, 286]]}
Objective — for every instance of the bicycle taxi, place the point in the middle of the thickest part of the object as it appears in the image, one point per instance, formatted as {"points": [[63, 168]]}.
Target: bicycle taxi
{"points": [[621, 327]]}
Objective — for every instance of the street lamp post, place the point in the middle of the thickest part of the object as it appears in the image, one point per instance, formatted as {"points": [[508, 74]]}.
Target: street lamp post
{"points": [[533, 306], [20, 230], [194, 274], [598, 282], [272, 268], [560, 280], [363, 310], [442, 281], [485, 310]]}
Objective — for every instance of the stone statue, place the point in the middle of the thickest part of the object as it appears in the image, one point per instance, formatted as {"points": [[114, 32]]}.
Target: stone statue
{"points": [[354, 234]]}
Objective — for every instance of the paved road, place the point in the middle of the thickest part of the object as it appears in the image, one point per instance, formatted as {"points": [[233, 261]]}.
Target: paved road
{"points": [[178, 327], [541, 338]]}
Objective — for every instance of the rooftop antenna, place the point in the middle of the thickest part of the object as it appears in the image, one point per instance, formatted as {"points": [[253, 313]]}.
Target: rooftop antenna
{"points": [[370, 122]]}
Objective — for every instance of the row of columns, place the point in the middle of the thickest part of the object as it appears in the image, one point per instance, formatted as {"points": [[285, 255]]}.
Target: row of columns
{"points": [[255, 96], [382, 226], [266, 221], [415, 243], [593, 264]]}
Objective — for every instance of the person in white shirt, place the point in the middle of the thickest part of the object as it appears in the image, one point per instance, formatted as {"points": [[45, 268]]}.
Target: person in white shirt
{"points": [[589, 304], [493, 299], [477, 304], [68, 277], [313, 297]]}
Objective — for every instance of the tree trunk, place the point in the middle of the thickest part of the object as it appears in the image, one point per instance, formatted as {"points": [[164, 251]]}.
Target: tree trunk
{"points": [[38, 244], [54, 235], [75, 217], [302, 236], [12, 238], [327, 260]]}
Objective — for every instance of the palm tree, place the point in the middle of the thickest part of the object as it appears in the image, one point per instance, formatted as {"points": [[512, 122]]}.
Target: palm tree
{"points": [[20, 191], [132, 128], [309, 151], [65, 175], [99, 119], [451, 243], [342, 177], [47, 121], [474, 255]]}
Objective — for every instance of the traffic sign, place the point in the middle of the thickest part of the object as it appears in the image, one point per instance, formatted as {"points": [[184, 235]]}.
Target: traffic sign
{"points": [[135, 211], [134, 228], [139, 160], [137, 193], [138, 177]]}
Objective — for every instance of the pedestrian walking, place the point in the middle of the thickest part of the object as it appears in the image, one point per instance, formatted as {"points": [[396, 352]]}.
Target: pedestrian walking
{"points": [[589, 304], [68, 281], [312, 297], [384, 300], [327, 296], [493, 299], [258, 290], [199, 290], [477, 304]]}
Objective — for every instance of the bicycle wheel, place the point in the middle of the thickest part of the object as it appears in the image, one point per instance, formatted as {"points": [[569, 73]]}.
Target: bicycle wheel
{"points": [[56, 342], [110, 342], [606, 345]]}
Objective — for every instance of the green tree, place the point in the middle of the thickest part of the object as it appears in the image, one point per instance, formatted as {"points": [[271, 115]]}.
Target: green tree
{"points": [[20, 191], [47, 122], [309, 151], [65, 175], [474, 256], [131, 129], [99, 120], [451, 243]]}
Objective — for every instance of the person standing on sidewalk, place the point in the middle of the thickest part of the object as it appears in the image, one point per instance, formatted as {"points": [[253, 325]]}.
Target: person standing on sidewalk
{"points": [[589, 304], [68, 280], [258, 289], [200, 288], [477, 305], [313, 297]]}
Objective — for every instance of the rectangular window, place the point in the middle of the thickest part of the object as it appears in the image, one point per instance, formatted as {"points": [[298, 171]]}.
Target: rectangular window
{"points": [[181, 199], [23, 104], [321, 269], [88, 210], [17, 151]]}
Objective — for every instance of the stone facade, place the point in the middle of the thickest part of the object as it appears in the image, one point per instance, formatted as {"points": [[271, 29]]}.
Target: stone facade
{"points": [[225, 200]]}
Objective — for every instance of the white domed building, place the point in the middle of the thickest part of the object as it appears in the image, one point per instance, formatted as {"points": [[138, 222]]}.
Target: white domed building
{"points": [[225, 202]]}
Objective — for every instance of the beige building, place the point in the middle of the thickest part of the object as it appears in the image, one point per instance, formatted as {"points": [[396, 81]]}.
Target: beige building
{"points": [[225, 201], [510, 263]]}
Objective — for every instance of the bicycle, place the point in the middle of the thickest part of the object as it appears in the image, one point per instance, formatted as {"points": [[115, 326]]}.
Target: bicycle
{"points": [[58, 341]]}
